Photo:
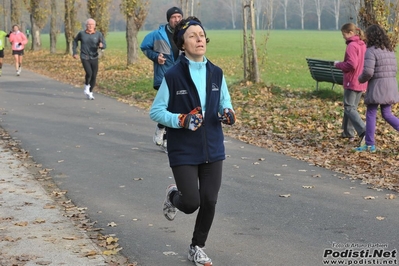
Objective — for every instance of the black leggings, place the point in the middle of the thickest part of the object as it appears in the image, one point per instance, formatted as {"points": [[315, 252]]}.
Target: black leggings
{"points": [[91, 68], [198, 187]]}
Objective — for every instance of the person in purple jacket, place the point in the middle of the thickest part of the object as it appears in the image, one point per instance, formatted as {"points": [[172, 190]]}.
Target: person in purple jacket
{"points": [[352, 66], [380, 67]]}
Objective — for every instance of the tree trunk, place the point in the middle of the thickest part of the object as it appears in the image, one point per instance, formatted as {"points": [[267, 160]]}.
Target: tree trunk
{"points": [[131, 39], [36, 41], [70, 19], [285, 18], [16, 11], [53, 27], [254, 62], [135, 13], [251, 69], [99, 11], [245, 53]]}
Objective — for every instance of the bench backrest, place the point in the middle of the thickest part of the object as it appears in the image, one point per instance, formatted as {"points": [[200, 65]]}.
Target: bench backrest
{"points": [[322, 70]]}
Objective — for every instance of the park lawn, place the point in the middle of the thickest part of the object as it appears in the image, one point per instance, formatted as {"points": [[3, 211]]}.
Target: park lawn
{"points": [[284, 113], [281, 58]]}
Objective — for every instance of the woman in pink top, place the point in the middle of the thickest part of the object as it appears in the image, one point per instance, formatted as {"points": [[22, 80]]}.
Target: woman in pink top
{"points": [[352, 67], [18, 41]]}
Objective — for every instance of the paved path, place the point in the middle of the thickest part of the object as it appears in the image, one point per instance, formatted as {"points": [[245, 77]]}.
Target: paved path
{"points": [[272, 209]]}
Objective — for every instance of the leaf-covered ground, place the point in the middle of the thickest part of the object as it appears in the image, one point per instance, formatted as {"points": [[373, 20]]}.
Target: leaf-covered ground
{"points": [[303, 125]]}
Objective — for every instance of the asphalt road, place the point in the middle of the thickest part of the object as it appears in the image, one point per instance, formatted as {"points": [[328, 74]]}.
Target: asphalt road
{"points": [[272, 209]]}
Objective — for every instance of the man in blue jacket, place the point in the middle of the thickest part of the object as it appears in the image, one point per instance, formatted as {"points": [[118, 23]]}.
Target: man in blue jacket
{"points": [[160, 48]]}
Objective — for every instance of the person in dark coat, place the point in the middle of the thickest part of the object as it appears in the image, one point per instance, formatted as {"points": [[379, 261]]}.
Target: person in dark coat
{"points": [[193, 101], [159, 47], [90, 41], [380, 67]]}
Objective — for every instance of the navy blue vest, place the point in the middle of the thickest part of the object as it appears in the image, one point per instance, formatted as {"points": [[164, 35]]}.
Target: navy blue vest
{"points": [[205, 145]]}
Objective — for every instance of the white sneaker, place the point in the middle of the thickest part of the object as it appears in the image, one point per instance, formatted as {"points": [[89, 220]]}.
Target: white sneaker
{"points": [[19, 71], [169, 211], [198, 256], [87, 91], [164, 146], [91, 97], [158, 136]]}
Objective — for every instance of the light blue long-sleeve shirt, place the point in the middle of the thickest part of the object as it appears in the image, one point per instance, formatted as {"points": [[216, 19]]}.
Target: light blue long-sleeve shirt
{"points": [[159, 112]]}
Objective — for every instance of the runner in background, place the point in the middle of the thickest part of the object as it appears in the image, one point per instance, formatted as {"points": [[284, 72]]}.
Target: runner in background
{"points": [[3, 36], [18, 41], [159, 47]]}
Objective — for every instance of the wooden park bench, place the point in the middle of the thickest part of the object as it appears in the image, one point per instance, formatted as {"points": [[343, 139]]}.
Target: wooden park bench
{"points": [[324, 71]]}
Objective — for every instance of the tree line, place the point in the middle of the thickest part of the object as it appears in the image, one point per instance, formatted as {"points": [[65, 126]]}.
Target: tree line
{"points": [[68, 16]]}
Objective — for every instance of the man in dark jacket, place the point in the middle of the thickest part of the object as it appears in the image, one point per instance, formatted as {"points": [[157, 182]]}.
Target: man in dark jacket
{"points": [[160, 48]]}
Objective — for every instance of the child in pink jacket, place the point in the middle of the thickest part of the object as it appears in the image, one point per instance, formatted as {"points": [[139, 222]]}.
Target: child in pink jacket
{"points": [[18, 41], [352, 66]]}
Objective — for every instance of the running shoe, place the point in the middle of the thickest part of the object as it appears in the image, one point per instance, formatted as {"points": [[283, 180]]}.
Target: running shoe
{"points": [[369, 148], [158, 136], [0, 72], [91, 97], [164, 146], [86, 91], [169, 211], [198, 256]]}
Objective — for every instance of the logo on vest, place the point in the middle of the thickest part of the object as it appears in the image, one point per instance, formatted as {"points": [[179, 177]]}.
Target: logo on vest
{"points": [[215, 87], [181, 92]]}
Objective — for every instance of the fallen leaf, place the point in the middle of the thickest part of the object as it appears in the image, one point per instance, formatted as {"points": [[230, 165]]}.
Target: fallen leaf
{"points": [[90, 253], [308, 186], [112, 224], [369, 197], [380, 218], [39, 221], [70, 237], [285, 195], [43, 262], [390, 196], [170, 253], [111, 252], [112, 247], [21, 224], [111, 240]]}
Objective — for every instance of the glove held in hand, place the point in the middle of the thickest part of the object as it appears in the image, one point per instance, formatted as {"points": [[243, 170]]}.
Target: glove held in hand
{"points": [[228, 117], [192, 120]]}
